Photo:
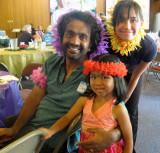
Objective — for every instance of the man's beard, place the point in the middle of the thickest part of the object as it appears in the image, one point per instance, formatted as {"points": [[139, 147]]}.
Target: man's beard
{"points": [[74, 58]]}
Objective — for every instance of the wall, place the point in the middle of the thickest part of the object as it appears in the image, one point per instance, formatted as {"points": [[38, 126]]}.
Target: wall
{"points": [[101, 6], [17, 13], [154, 8]]}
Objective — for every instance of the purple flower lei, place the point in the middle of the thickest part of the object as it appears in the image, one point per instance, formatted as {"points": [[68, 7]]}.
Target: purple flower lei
{"points": [[102, 44]]}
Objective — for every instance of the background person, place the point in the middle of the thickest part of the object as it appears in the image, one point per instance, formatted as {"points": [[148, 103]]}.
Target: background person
{"points": [[101, 103], [103, 17], [47, 36], [33, 29], [77, 36], [135, 49], [34, 34], [40, 32], [26, 36], [62, 8]]}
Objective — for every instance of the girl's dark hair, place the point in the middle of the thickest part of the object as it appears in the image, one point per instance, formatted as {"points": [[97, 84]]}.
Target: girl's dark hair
{"points": [[120, 89], [120, 8], [89, 20]]}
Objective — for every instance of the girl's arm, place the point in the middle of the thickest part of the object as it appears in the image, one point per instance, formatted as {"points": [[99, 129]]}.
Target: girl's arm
{"points": [[121, 115], [66, 119], [139, 69]]}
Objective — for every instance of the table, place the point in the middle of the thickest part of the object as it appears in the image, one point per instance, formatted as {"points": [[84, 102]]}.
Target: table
{"points": [[10, 99], [17, 60], [4, 42]]}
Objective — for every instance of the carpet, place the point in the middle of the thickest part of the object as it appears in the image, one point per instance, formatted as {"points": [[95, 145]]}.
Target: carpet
{"points": [[148, 137]]}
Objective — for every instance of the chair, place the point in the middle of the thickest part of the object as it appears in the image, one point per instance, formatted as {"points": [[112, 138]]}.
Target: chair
{"points": [[25, 93], [3, 67], [154, 67], [30, 143], [9, 121], [74, 126], [27, 71]]}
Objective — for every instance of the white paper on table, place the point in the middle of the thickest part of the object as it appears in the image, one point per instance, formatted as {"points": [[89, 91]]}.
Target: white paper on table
{"points": [[2, 82], [8, 78], [1, 49]]}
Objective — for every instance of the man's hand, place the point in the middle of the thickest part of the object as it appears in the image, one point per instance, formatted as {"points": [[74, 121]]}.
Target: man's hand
{"points": [[102, 139], [7, 134]]}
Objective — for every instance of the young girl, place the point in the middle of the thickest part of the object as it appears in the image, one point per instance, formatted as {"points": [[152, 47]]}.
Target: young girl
{"points": [[101, 103]]}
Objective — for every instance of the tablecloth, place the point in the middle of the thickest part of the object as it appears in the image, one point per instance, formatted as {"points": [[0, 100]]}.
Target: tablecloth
{"points": [[17, 60], [4, 42], [10, 99]]}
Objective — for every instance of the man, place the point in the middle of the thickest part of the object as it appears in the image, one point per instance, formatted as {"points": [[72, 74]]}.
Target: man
{"points": [[26, 36], [77, 36]]}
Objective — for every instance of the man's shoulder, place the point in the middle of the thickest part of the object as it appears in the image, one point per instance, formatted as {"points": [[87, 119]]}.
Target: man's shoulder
{"points": [[54, 61], [54, 58]]}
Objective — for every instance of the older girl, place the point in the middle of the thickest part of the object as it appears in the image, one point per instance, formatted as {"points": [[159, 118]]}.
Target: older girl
{"points": [[135, 49]]}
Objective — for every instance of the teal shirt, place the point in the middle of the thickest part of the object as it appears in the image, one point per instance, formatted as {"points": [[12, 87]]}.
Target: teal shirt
{"points": [[59, 97]]}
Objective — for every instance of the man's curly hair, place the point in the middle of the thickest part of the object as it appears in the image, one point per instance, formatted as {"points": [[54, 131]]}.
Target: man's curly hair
{"points": [[89, 20]]}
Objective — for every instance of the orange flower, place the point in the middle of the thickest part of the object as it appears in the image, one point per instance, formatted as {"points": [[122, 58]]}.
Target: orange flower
{"points": [[114, 48], [123, 45]]}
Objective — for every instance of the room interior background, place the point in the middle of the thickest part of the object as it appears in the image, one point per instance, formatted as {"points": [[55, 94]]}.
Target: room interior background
{"points": [[14, 14], [58, 8]]}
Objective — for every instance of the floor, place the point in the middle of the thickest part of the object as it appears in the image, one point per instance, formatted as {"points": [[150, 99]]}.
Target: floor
{"points": [[148, 139]]}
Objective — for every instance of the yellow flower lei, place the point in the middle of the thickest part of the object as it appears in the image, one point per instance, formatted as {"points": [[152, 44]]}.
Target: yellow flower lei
{"points": [[118, 45]]}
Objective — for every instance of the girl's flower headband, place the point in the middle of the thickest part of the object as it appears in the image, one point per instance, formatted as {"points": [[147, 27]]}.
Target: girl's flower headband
{"points": [[101, 46], [39, 78], [114, 69]]}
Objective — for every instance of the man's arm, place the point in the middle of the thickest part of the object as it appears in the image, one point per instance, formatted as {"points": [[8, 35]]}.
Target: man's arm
{"points": [[29, 107], [27, 111], [102, 139]]}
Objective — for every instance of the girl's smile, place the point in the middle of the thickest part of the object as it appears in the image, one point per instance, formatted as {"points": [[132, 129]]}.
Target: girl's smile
{"points": [[129, 26]]}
